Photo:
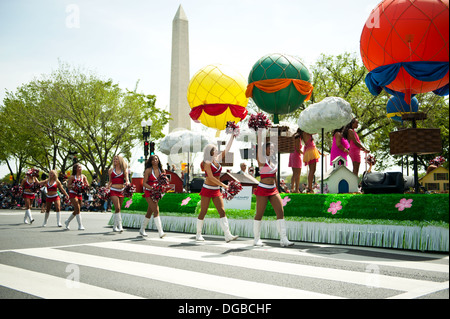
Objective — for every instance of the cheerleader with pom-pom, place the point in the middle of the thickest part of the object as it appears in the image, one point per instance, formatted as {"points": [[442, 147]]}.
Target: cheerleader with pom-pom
{"points": [[211, 189], [53, 184], [77, 184], [267, 191], [28, 193], [118, 180], [154, 180]]}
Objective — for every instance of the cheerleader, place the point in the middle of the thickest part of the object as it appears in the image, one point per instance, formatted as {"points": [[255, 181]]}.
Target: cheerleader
{"points": [[28, 195], [75, 196], [153, 170], [211, 189], [118, 179], [267, 191], [53, 184]]}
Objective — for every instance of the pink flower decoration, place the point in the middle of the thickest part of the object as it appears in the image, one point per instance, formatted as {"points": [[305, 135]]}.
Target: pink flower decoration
{"points": [[286, 200], [128, 203], [185, 201], [404, 203], [334, 207]]}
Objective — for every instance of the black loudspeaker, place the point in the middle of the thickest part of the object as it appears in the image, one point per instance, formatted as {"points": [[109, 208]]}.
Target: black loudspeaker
{"points": [[196, 185], [383, 183]]}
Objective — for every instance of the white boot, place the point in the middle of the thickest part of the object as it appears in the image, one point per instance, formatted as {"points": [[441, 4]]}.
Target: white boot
{"points": [[80, 224], [117, 223], [158, 224], [67, 222], [199, 236], [281, 227], [25, 218], [45, 219], [226, 229], [143, 226], [28, 217], [257, 233], [58, 219]]}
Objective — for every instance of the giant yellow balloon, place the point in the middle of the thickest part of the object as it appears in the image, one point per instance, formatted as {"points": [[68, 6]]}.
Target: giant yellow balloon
{"points": [[216, 95]]}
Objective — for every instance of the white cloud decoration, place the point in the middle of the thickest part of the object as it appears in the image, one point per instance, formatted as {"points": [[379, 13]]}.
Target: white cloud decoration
{"points": [[330, 113]]}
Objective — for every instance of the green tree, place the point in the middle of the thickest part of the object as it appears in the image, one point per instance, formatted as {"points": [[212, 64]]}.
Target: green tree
{"points": [[79, 112]]}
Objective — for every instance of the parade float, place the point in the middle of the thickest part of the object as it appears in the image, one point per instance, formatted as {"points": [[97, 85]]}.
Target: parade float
{"points": [[404, 46], [402, 221]]}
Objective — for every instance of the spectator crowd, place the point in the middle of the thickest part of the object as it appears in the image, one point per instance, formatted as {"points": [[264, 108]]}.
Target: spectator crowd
{"points": [[91, 199]]}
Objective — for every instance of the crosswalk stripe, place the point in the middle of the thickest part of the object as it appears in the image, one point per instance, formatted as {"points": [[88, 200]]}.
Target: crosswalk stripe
{"points": [[360, 278], [428, 266], [216, 283], [52, 287], [422, 291]]}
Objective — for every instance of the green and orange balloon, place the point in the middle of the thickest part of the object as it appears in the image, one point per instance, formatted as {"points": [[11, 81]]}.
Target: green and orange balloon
{"points": [[279, 84]]}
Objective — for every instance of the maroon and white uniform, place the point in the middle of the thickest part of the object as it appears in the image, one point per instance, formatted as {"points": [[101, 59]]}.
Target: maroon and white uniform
{"points": [[52, 188], [208, 190], [25, 194], [267, 189], [117, 179], [152, 180], [72, 193]]}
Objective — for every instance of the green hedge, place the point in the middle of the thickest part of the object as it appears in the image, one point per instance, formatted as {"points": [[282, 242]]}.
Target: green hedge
{"points": [[425, 207], [171, 202], [430, 207]]}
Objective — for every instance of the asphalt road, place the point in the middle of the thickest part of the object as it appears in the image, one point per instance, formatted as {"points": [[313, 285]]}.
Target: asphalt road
{"points": [[50, 262]]}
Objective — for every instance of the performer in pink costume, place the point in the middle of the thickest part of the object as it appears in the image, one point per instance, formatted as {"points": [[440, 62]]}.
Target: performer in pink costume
{"points": [[355, 144], [340, 146], [295, 162]]}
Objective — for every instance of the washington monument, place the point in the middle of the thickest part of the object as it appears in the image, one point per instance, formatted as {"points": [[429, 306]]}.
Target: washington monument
{"points": [[179, 80]]}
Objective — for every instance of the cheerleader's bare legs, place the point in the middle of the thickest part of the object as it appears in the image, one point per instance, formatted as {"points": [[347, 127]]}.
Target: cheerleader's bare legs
{"points": [[57, 210], [261, 204], [204, 205]]}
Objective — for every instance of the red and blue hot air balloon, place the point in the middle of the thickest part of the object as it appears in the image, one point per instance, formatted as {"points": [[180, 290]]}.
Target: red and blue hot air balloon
{"points": [[405, 46]]}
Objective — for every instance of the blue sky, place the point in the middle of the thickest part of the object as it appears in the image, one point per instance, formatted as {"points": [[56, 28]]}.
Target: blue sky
{"points": [[130, 40]]}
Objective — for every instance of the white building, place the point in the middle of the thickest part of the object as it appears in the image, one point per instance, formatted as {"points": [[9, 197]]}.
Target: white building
{"points": [[340, 179]]}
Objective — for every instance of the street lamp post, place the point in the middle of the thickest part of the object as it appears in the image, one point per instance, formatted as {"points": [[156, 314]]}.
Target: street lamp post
{"points": [[146, 133]]}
